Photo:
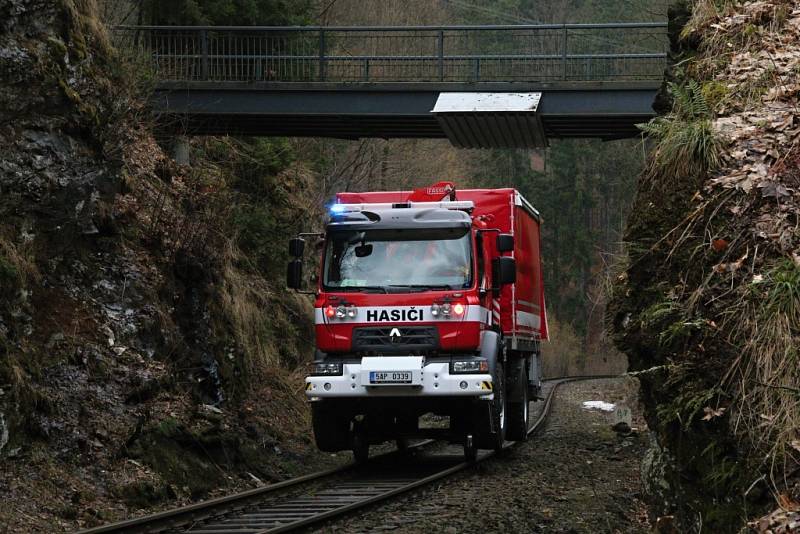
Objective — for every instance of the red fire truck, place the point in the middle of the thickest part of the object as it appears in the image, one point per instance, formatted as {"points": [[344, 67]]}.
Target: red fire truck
{"points": [[427, 302]]}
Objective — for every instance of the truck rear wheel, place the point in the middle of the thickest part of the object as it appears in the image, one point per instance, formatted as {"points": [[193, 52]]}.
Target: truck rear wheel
{"points": [[331, 429], [518, 410], [500, 405]]}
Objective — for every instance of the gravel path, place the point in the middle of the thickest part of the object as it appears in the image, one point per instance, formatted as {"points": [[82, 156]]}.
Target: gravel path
{"points": [[577, 476]]}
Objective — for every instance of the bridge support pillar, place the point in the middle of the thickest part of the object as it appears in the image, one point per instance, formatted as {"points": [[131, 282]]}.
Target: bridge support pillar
{"points": [[181, 151]]}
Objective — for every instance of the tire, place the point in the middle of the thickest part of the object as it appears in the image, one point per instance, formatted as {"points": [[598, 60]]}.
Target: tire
{"points": [[518, 411], [360, 443], [499, 411], [470, 450], [331, 429], [489, 421]]}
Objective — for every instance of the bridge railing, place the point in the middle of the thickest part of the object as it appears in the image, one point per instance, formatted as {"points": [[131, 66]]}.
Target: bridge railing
{"points": [[568, 52]]}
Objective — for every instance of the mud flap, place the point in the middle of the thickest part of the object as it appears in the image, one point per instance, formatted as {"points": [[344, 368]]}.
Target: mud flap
{"points": [[535, 376], [516, 379], [482, 424]]}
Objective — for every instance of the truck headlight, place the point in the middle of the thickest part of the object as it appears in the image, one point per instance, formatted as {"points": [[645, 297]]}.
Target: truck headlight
{"points": [[327, 369], [459, 367]]}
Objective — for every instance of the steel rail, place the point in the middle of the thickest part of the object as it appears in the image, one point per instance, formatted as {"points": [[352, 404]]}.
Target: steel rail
{"points": [[303, 512], [213, 507]]}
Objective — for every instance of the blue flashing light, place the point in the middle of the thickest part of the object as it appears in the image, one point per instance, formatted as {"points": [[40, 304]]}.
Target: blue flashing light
{"points": [[337, 209]]}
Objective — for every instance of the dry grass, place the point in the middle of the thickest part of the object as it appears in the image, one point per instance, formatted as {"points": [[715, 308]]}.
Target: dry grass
{"points": [[766, 375], [17, 271], [566, 354], [245, 300], [88, 30], [19, 261], [704, 14]]}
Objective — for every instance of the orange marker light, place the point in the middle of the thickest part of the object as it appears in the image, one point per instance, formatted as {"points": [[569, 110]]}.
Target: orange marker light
{"points": [[458, 309], [330, 311]]}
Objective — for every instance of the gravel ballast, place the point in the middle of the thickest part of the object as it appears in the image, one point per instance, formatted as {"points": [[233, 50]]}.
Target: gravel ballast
{"points": [[576, 475]]}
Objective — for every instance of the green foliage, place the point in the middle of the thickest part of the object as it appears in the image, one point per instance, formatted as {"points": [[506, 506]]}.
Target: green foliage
{"points": [[250, 164], [252, 167], [550, 11], [255, 234], [659, 312], [783, 295], [714, 93], [687, 143], [228, 12], [688, 403]]}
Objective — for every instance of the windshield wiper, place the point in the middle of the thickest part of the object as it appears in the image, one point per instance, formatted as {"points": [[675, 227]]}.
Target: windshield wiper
{"points": [[419, 287], [359, 288]]}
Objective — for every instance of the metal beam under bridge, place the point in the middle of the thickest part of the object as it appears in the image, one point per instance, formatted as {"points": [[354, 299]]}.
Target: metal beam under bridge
{"points": [[519, 85], [352, 113]]}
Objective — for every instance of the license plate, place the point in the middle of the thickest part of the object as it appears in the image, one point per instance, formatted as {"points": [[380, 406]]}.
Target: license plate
{"points": [[390, 377]]}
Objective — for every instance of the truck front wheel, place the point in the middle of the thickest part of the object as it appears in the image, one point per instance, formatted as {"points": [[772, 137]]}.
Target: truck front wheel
{"points": [[490, 421], [331, 428]]}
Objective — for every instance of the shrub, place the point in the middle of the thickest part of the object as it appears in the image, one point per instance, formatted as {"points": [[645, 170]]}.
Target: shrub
{"points": [[687, 144]]}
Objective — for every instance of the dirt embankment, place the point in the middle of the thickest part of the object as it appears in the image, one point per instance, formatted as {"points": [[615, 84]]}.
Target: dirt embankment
{"points": [[130, 379], [710, 301]]}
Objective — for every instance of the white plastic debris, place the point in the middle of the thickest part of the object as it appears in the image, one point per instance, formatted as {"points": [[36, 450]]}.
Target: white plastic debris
{"points": [[600, 405]]}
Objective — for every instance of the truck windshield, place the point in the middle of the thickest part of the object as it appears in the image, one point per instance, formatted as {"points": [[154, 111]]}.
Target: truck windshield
{"points": [[398, 259]]}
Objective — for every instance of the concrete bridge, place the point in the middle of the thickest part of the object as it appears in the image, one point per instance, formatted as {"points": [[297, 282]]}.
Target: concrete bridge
{"points": [[479, 86]]}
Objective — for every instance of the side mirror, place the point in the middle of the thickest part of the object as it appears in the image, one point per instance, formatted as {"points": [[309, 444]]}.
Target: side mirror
{"points": [[296, 247], [505, 243], [504, 271], [362, 251], [294, 274]]}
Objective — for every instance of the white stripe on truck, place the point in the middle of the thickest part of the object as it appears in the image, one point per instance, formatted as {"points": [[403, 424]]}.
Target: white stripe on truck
{"points": [[530, 320], [401, 314]]}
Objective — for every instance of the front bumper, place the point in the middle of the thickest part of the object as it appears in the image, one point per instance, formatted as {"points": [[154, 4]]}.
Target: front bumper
{"points": [[435, 381]]}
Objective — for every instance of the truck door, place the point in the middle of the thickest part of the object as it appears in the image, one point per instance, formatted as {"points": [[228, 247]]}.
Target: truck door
{"points": [[484, 283]]}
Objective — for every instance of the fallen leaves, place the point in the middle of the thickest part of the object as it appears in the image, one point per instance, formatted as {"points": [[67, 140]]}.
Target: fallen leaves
{"points": [[774, 189], [711, 413], [719, 245], [787, 503], [731, 267]]}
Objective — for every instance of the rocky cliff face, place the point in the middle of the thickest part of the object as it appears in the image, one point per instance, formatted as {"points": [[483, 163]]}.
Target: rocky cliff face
{"points": [[123, 370], [708, 306]]}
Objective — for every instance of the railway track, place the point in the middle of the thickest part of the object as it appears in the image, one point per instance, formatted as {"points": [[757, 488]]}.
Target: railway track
{"points": [[297, 503]]}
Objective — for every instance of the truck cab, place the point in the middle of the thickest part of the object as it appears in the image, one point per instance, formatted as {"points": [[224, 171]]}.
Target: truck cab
{"points": [[408, 321]]}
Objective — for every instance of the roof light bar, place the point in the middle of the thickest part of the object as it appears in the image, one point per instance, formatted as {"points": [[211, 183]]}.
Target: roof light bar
{"points": [[338, 209]]}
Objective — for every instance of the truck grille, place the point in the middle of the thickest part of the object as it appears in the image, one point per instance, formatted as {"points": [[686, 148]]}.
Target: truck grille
{"points": [[380, 340]]}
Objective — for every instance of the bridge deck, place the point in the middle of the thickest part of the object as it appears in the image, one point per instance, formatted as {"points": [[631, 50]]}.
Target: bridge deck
{"points": [[596, 80]]}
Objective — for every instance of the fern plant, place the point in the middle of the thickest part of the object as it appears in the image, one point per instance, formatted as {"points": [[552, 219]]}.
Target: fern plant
{"points": [[687, 144]]}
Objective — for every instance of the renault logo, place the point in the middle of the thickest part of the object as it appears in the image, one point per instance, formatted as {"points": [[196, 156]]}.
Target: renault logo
{"points": [[395, 335]]}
